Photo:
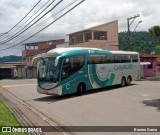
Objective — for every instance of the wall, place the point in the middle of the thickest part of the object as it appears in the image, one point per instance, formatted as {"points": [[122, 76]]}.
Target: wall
{"points": [[31, 72], [98, 44], [21, 72]]}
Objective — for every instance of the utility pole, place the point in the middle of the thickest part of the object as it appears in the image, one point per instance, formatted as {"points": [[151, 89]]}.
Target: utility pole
{"points": [[129, 24]]}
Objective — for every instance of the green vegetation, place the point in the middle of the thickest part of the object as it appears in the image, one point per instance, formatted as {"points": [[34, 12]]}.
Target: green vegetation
{"points": [[140, 42], [155, 31], [7, 118]]}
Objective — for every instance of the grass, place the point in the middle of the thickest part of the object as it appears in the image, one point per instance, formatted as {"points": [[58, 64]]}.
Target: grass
{"points": [[7, 118]]}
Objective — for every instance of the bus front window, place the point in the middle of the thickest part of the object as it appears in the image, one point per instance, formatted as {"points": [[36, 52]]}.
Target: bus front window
{"points": [[49, 70]]}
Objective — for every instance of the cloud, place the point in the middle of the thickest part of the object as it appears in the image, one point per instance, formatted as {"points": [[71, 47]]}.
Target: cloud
{"points": [[89, 13]]}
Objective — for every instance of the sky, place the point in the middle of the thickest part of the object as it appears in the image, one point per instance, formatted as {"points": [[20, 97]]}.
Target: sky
{"points": [[87, 14]]}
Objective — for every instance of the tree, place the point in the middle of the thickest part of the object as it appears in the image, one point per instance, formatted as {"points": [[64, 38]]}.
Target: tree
{"points": [[157, 49], [155, 31]]}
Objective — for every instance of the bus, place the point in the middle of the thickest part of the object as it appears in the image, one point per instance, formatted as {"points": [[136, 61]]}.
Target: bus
{"points": [[78, 69]]}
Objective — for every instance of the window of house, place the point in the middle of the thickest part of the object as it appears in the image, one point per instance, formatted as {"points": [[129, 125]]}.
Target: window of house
{"points": [[71, 40], [100, 35], [79, 38], [88, 36], [150, 66]]}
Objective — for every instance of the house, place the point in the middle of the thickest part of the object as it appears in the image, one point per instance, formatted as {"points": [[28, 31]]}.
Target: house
{"points": [[33, 49], [104, 36], [11, 70], [151, 69]]}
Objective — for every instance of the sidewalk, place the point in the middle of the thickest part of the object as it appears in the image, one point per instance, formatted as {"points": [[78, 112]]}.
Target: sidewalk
{"points": [[27, 115]]}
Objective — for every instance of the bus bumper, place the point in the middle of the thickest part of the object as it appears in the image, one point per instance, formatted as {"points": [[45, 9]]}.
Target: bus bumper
{"points": [[55, 91]]}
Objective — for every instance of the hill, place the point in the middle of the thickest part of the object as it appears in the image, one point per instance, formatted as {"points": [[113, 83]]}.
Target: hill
{"points": [[140, 42], [10, 58]]}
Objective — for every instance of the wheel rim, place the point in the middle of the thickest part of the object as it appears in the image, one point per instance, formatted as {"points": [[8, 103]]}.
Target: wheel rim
{"points": [[123, 82], [129, 81], [80, 89]]}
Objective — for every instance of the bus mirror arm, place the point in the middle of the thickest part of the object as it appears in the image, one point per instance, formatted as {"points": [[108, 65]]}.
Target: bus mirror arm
{"points": [[35, 58]]}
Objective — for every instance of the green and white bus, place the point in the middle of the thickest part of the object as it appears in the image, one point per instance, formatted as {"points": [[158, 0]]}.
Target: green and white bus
{"points": [[76, 70]]}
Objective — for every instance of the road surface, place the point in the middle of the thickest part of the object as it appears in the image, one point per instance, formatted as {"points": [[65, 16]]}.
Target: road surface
{"points": [[135, 105]]}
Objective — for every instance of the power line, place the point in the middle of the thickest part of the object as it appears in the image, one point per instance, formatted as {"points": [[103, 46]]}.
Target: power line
{"points": [[24, 28], [40, 24], [46, 26], [24, 17], [18, 35], [28, 19]]}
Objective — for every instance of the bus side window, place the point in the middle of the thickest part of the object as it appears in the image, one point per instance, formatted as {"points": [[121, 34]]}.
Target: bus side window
{"points": [[111, 58], [66, 68], [117, 58], [134, 58], [104, 59], [128, 58], [77, 63], [94, 59], [71, 65], [123, 58]]}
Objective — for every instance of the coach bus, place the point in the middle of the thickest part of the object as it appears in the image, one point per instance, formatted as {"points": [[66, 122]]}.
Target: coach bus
{"points": [[75, 70]]}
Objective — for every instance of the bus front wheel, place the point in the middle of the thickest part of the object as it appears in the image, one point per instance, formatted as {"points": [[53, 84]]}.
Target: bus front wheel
{"points": [[81, 89], [123, 81]]}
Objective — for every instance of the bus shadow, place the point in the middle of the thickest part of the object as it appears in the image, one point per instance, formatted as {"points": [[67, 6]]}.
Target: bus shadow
{"points": [[54, 98], [152, 103], [108, 88]]}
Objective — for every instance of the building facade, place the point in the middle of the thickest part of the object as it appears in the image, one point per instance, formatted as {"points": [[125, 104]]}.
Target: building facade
{"points": [[103, 36], [33, 49], [11, 70]]}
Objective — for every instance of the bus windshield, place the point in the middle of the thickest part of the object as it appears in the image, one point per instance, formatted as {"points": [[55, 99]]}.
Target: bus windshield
{"points": [[49, 70]]}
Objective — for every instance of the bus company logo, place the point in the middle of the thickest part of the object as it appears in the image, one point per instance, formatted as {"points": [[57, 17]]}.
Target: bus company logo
{"points": [[6, 129], [123, 67]]}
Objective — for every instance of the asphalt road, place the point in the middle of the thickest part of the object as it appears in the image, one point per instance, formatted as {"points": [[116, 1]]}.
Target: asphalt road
{"points": [[135, 105]]}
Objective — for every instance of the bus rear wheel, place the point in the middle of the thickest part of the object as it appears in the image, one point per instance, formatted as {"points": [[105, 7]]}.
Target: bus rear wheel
{"points": [[123, 81], [129, 79], [81, 89]]}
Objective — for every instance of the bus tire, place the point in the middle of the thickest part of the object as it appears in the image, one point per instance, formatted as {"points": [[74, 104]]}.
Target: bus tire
{"points": [[123, 81], [129, 80], [81, 89]]}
